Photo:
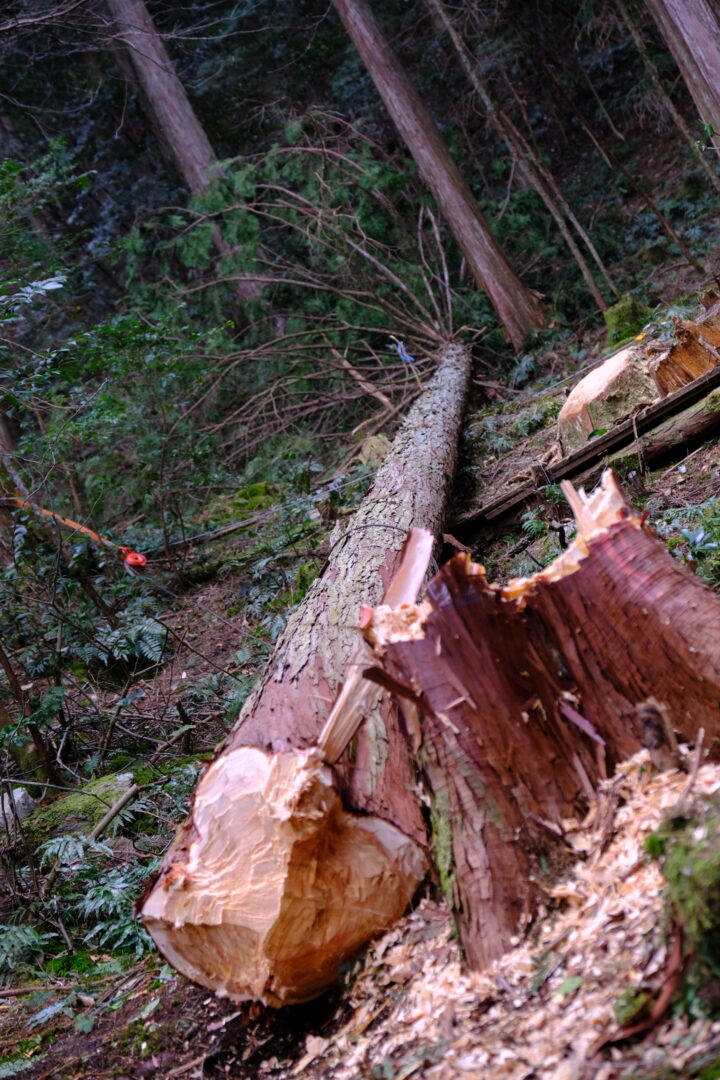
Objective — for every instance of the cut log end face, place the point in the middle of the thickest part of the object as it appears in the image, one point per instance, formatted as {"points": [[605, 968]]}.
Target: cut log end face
{"points": [[607, 394], [280, 885]]}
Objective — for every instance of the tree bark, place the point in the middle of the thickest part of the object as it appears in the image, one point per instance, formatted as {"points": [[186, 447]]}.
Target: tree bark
{"points": [[655, 79], [8, 439], [182, 134], [691, 29], [538, 176], [518, 309], [531, 692], [290, 705], [683, 432]]}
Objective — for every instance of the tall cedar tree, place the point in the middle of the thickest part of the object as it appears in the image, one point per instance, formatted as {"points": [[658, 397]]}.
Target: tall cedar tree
{"points": [[691, 29], [517, 307]]}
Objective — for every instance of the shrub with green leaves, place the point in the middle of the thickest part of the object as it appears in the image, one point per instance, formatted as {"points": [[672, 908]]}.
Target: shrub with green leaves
{"points": [[687, 847]]}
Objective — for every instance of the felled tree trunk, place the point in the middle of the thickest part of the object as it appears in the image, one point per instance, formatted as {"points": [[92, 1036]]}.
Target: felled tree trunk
{"points": [[291, 704], [272, 883], [530, 692]]}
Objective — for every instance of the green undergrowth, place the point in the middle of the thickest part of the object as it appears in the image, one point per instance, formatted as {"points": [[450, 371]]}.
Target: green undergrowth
{"points": [[502, 427], [626, 318], [692, 534], [687, 848], [245, 502], [98, 715]]}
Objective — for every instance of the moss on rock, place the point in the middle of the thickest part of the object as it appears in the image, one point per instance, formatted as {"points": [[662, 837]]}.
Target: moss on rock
{"points": [[78, 812], [626, 318]]}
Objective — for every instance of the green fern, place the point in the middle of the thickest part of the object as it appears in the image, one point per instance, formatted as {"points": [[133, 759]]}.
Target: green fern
{"points": [[533, 525], [145, 639], [70, 850], [20, 945], [15, 1067]]}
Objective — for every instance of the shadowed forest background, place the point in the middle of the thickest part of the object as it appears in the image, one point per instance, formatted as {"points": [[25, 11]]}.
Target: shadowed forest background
{"points": [[224, 278]]}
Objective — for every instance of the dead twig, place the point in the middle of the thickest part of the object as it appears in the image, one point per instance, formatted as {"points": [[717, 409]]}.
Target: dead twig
{"points": [[694, 770]]}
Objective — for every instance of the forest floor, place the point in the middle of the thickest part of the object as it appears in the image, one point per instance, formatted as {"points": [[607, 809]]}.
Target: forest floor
{"points": [[552, 1008]]}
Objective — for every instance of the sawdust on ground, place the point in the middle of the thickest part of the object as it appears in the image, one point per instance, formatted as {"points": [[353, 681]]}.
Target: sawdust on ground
{"points": [[546, 1008]]}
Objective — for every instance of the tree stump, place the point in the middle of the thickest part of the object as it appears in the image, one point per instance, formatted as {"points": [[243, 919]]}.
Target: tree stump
{"points": [[529, 693]]}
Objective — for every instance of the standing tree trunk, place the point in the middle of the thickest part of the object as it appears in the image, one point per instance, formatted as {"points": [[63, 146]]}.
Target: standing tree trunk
{"points": [[691, 29], [655, 79], [635, 184], [518, 309], [540, 178], [183, 137]]}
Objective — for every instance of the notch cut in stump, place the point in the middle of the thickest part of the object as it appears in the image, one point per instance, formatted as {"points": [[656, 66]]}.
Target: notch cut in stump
{"points": [[530, 693]]}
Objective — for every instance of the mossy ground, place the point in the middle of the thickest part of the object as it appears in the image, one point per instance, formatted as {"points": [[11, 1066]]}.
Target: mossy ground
{"points": [[79, 811]]}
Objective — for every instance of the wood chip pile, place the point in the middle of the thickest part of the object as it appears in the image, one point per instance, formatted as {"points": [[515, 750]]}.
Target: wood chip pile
{"points": [[545, 1009]]}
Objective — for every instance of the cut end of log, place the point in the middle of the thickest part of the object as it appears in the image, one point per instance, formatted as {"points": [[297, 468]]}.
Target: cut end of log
{"points": [[278, 885], [607, 394], [637, 376]]}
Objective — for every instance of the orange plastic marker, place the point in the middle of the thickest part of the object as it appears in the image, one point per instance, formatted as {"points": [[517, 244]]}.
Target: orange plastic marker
{"points": [[130, 558]]}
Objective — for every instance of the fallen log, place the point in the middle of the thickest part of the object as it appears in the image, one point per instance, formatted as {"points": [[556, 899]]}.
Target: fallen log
{"points": [[273, 884], [220, 909], [693, 352], [531, 692], [291, 704], [278, 884], [670, 440], [578, 463]]}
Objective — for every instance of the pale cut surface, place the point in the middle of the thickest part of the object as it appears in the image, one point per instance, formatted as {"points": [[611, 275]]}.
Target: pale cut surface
{"points": [[605, 395], [277, 885]]}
